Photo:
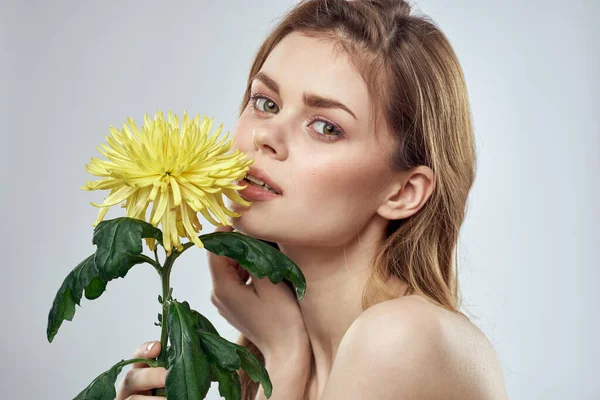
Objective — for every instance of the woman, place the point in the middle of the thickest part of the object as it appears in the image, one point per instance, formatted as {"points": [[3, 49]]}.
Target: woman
{"points": [[357, 116]]}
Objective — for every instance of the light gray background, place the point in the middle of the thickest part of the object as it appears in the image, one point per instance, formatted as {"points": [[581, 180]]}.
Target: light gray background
{"points": [[530, 243]]}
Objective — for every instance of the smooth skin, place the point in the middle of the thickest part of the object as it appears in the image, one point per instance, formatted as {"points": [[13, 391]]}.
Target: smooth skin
{"points": [[141, 379], [265, 313]]}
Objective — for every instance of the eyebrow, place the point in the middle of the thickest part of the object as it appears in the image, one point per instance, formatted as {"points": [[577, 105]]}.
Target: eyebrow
{"points": [[310, 99]]}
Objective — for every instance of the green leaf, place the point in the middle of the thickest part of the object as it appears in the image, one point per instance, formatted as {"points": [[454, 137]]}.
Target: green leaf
{"points": [[119, 243], [189, 374], [95, 288], [204, 323], [83, 276], [257, 257], [103, 387], [160, 299], [119, 247], [230, 386], [230, 357]]}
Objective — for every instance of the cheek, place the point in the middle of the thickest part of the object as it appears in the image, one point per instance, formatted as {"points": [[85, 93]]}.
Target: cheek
{"points": [[328, 205], [341, 189], [351, 176], [242, 136], [326, 183]]}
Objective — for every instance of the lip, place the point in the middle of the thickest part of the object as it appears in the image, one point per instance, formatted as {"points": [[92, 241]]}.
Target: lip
{"points": [[255, 193], [263, 176]]}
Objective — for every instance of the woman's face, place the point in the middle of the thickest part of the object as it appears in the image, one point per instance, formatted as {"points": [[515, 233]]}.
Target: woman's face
{"points": [[327, 161]]}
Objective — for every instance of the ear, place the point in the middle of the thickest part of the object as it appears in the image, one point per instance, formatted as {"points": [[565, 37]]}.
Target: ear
{"points": [[408, 191]]}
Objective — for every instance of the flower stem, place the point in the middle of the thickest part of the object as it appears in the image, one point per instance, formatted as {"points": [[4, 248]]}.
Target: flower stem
{"points": [[151, 363], [150, 261], [156, 255], [165, 278]]}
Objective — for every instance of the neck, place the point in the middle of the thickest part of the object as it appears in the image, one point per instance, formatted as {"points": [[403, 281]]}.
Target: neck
{"points": [[335, 279]]}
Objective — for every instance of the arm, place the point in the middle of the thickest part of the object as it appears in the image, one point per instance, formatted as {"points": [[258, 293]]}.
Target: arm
{"points": [[289, 373]]}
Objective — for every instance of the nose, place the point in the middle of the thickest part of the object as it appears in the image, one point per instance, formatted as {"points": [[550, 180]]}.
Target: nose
{"points": [[268, 142]]}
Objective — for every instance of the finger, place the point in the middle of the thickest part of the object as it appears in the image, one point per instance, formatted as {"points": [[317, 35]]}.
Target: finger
{"points": [[265, 289], [224, 228], [140, 379], [244, 275], [224, 270], [147, 350]]}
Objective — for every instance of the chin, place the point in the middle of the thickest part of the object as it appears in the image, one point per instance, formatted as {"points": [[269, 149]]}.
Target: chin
{"points": [[250, 222], [253, 228], [238, 225]]}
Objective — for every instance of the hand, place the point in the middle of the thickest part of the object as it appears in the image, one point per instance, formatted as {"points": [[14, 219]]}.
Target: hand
{"points": [[267, 314], [141, 378]]}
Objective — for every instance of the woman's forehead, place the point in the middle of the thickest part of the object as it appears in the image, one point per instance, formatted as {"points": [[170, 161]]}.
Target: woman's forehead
{"points": [[299, 64]]}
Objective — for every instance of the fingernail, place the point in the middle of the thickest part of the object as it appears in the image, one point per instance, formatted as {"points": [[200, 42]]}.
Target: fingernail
{"points": [[150, 345]]}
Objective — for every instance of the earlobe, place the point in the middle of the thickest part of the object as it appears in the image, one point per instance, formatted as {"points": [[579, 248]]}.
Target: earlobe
{"points": [[408, 194]]}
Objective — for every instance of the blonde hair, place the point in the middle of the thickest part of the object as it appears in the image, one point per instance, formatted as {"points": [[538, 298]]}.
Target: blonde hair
{"points": [[418, 87]]}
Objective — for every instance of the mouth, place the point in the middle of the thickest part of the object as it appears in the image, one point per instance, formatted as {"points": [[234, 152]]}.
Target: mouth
{"points": [[260, 179]]}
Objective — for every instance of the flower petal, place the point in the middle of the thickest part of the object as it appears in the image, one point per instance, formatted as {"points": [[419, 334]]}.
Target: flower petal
{"points": [[101, 214], [233, 195], [105, 183], [192, 233], [176, 191], [159, 207], [219, 199], [121, 194], [154, 192], [141, 203]]}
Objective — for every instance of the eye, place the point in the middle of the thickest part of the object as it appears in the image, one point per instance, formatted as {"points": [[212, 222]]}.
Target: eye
{"points": [[329, 128], [256, 100]]}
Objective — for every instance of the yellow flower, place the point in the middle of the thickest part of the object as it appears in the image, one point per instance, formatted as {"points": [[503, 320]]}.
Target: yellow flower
{"points": [[181, 170]]}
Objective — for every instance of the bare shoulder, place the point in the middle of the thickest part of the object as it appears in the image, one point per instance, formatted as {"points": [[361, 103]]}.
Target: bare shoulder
{"points": [[436, 344]]}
